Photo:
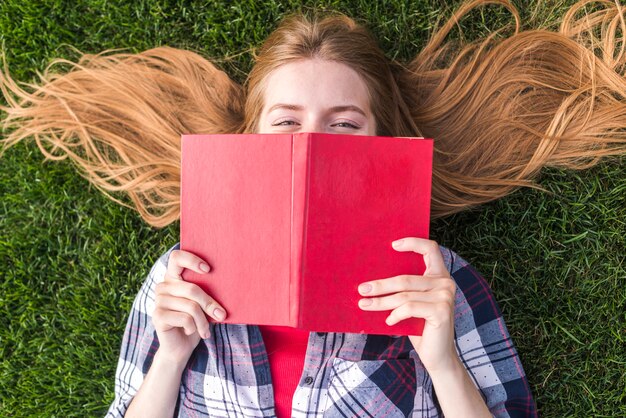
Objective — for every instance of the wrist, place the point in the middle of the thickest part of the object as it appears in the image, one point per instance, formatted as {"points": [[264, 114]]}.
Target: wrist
{"points": [[169, 362], [456, 392], [452, 369], [441, 361], [159, 390]]}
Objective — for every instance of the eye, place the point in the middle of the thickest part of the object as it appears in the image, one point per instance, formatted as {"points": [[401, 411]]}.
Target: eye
{"points": [[345, 124], [285, 122]]}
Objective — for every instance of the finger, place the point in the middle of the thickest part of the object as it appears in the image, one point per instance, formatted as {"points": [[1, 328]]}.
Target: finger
{"points": [[180, 260], [435, 314], [189, 307], [194, 293], [390, 302], [429, 249], [403, 282], [165, 320]]}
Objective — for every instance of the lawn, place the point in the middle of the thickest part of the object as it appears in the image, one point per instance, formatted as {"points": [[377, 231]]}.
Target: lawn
{"points": [[71, 260]]}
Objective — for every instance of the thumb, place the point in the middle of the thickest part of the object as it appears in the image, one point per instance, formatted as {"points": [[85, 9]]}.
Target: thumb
{"points": [[429, 249]]}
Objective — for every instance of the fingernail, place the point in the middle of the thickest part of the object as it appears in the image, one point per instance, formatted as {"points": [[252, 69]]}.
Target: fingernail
{"points": [[365, 288], [365, 302], [219, 313], [397, 243], [204, 267]]}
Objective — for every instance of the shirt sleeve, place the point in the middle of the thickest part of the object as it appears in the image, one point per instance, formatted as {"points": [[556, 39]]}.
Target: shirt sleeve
{"points": [[139, 343], [485, 346]]}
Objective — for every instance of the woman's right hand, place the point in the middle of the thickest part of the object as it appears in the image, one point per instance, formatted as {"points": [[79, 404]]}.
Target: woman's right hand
{"points": [[181, 308]]}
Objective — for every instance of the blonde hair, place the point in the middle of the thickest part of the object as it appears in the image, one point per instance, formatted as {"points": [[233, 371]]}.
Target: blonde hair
{"points": [[119, 117], [340, 39], [499, 109]]}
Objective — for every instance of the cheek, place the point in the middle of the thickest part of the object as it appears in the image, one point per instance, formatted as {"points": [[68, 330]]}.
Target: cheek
{"points": [[372, 127], [265, 127]]}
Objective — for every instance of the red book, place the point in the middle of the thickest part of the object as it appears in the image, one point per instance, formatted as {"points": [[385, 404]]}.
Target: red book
{"points": [[291, 224]]}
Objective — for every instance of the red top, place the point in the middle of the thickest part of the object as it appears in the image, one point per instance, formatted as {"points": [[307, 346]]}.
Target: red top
{"points": [[286, 348]]}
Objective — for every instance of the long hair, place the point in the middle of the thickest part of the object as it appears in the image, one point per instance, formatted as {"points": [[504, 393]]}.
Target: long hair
{"points": [[499, 109], [119, 117]]}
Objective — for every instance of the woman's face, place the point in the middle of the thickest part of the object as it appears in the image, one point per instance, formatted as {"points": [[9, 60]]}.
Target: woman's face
{"points": [[314, 95]]}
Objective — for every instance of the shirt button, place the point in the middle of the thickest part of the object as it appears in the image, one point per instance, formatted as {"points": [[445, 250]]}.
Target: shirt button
{"points": [[308, 380], [321, 334]]}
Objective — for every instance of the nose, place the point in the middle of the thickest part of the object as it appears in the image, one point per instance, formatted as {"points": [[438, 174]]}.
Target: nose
{"points": [[312, 124]]}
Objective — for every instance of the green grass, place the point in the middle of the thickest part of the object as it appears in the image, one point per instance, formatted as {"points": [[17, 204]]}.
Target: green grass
{"points": [[71, 261]]}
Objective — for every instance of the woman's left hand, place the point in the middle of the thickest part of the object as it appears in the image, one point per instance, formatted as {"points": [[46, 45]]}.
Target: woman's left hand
{"points": [[431, 296]]}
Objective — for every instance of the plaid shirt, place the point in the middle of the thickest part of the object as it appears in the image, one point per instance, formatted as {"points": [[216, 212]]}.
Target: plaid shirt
{"points": [[345, 375]]}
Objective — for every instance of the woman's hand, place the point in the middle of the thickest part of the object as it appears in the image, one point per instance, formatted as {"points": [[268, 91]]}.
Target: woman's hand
{"points": [[181, 308], [430, 296], [180, 321]]}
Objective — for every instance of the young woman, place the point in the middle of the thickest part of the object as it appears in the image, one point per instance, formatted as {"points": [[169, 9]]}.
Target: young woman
{"points": [[498, 110], [322, 374]]}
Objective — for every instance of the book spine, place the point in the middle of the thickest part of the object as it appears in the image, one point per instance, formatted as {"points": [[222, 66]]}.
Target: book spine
{"points": [[299, 180]]}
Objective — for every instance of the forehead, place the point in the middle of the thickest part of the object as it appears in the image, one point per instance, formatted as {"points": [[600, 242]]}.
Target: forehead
{"points": [[315, 82]]}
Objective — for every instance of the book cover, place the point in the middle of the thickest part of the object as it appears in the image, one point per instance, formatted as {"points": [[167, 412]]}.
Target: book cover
{"points": [[291, 224]]}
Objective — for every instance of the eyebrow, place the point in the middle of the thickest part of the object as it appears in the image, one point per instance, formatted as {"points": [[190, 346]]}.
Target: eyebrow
{"points": [[334, 109]]}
